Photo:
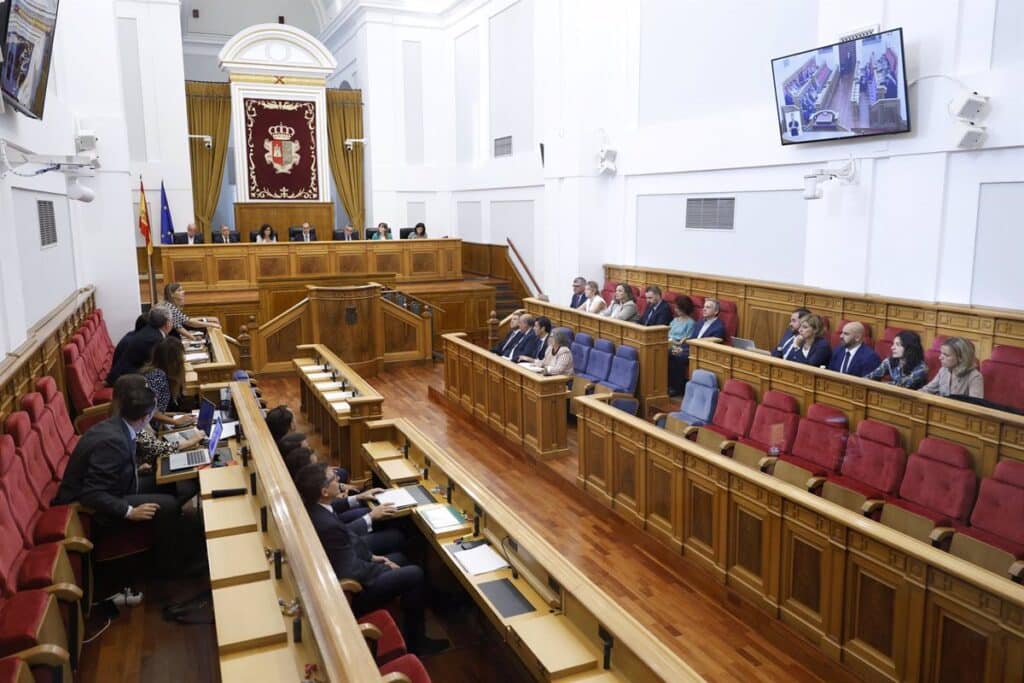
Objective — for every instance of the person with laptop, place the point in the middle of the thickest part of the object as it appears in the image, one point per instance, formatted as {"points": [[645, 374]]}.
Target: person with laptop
{"points": [[102, 474], [165, 375]]}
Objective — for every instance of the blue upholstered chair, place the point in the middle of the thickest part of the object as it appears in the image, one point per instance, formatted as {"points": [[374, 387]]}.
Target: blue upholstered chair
{"points": [[627, 405], [599, 363], [699, 402], [581, 346], [624, 371]]}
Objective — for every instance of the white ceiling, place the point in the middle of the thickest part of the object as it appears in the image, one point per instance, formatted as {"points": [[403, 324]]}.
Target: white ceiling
{"points": [[221, 19]]}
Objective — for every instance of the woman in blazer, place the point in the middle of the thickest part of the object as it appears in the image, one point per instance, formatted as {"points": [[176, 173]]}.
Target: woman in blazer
{"points": [[810, 346], [383, 232], [623, 307], [593, 302], [958, 375], [905, 366], [558, 358], [267, 234]]}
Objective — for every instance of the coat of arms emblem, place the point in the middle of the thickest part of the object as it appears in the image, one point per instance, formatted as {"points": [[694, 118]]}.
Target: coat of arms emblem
{"points": [[282, 151]]}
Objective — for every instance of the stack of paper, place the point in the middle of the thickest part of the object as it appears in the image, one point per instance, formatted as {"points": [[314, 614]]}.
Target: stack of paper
{"points": [[317, 376], [341, 407], [326, 386], [400, 498], [337, 395], [197, 357], [441, 518], [480, 560]]}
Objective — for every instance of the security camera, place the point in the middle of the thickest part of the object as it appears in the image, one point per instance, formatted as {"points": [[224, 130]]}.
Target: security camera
{"points": [[351, 142], [207, 140], [79, 192]]}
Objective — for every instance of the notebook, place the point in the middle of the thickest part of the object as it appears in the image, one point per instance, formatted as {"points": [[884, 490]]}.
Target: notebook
{"points": [[196, 456], [400, 498], [480, 560], [442, 518]]}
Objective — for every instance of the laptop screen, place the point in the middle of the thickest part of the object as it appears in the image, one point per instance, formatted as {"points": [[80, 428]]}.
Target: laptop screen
{"points": [[206, 411], [215, 436]]}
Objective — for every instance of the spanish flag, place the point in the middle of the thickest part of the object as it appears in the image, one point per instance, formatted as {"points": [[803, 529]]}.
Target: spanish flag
{"points": [[144, 219]]}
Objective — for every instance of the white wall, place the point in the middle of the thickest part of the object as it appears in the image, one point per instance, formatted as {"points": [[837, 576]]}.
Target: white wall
{"points": [[683, 91], [57, 261]]}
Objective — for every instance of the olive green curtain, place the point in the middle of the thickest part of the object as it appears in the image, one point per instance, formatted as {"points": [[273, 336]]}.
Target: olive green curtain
{"points": [[209, 113], [345, 121]]}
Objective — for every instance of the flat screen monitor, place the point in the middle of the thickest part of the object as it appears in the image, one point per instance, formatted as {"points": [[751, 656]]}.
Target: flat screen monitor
{"points": [[845, 90], [27, 48]]}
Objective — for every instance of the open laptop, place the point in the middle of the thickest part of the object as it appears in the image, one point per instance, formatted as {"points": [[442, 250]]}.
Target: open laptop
{"points": [[197, 456], [745, 344]]}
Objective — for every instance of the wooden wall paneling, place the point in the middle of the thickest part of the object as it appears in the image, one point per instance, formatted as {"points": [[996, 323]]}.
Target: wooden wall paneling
{"points": [[705, 504], [495, 396], [754, 529], [807, 569], [190, 268], [962, 643], [451, 370], [230, 268], [405, 335], [347, 320], [233, 314], [628, 480], [311, 261], [457, 307], [513, 404], [249, 216], [595, 445], [270, 260], [663, 491], [353, 260], [480, 380]]}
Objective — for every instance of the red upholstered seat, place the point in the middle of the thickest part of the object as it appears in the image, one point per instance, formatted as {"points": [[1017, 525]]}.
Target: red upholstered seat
{"points": [[21, 567], [410, 665], [36, 523], [1004, 376], [55, 403], [21, 615], [931, 355], [45, 427], [834, 339], [874, 462], [775, 423], [30, 449], [735, 410], [729, 316], [998, 517], [390, 645], [938, 483], [820, 441]]}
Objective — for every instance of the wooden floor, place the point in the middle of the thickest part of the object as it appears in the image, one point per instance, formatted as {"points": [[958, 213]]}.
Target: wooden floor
{"points": [[721, 637]]}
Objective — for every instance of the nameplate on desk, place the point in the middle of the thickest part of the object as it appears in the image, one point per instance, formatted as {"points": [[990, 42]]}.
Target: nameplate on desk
{"points": [[337, 395], [326, 386], [341, 407], [316, 376]]}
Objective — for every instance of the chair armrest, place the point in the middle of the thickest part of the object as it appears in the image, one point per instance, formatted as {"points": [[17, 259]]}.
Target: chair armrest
{"points": [[659, 418], [612, 395], [725, 448], [940, 536], [77, 544], [1017, 571], [814, 484], [67, 592], [92, 413], [350, 585], [44, 655], [369, 631], [690, 432], [871, 506], [767, 464], [396, 677]]}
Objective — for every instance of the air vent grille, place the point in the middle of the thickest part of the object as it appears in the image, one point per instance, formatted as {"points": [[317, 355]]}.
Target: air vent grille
{"points": [[47, 223], [710, 213], [503, 146]]}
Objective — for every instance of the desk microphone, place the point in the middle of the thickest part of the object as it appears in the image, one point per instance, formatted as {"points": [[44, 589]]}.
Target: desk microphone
{"points": [[227, 493]]}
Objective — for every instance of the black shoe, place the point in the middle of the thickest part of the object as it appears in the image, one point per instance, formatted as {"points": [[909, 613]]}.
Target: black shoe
{"points": [[430, 646]]}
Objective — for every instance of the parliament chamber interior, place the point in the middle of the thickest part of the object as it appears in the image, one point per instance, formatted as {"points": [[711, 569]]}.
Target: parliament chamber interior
{"points": [[505, 340]]}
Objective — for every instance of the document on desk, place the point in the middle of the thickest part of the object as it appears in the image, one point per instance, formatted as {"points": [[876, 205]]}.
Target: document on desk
{"points": [[337, 395], [341, 407], [316, 376], [400, 498], [197, 357], [178, 438], [326, 386], [441, 517], [480, 560]]}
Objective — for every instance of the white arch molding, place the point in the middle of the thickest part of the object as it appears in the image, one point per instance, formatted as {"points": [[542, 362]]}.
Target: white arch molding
{"points": [[277, 62]]}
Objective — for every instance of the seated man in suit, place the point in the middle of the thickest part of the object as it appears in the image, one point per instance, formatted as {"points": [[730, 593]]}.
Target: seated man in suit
{"points": [[709, 325], [349, 234], [384, 577], [103, 475], [305, 234], [510, 339], [225, 236], [579, 297], [137, 347], [525, 342], [190, 236], [786, 342], [538, 347], [658, 312], [852, 357]]}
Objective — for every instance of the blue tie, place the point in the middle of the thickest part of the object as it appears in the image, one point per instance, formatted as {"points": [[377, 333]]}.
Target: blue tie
{"points": [[846, 362]]}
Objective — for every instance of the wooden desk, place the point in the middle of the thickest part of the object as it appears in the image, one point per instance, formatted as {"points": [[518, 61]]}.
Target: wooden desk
{"points": [[247, 617], [342, 432], [221, 366], [651, 343], [527, 408], [228, 516], [881, 602], [550, 649], [989, 435], [237, 559], [217, 478]]}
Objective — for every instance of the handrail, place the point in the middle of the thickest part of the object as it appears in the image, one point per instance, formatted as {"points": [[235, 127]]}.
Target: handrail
{"points": [[424, 303], [522, 262]]}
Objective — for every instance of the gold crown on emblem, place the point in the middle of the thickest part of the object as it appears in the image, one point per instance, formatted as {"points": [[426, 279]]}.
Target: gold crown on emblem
{"points": [[281, 132]]}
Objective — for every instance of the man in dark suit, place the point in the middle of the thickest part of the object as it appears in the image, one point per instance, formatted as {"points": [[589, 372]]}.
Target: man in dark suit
{"points": [[225, 236], [709, 325], [786, 343], [137, 347], [355, 556], [102, 474], [852, 357], [524, 342], [305, 234], [349, 234], [658, 312], [502, 347], [190, 236], [579, 296], [534, 349]]}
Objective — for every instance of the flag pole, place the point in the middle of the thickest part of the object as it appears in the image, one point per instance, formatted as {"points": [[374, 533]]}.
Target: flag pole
{"points": [[152, 277]]}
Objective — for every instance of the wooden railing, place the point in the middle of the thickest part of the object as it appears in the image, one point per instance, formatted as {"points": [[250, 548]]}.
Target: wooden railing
{"points": [[884, 604], [988, 434], [764, 308], [341, 651], [520, 262], [651, 343]]}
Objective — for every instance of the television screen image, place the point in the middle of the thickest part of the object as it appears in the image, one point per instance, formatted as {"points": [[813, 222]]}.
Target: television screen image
{"points": [[27, 46], [845, 90]]}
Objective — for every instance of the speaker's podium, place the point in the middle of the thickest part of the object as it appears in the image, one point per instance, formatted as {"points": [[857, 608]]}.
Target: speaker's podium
{"points": [[345, 320]]}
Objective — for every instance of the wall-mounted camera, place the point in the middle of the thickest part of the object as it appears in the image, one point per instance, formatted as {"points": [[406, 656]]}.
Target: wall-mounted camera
{"points": [[351, 142], [207, 140]]}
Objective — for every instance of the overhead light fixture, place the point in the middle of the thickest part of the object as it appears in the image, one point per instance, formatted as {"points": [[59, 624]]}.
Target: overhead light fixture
{"points": [[813, 181], [79, 192]]}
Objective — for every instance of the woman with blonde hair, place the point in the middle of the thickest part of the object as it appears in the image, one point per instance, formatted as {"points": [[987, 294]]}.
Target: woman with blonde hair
{"points": [[593, 303], [958, 374], [622, 307], [810, 346]]}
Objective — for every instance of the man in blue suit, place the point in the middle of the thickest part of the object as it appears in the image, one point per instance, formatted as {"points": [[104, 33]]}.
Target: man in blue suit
{"points": [[658, 312], [526, 342], [786, 342], [710, 325], [852, 357], [578, 295], [511, 338]]}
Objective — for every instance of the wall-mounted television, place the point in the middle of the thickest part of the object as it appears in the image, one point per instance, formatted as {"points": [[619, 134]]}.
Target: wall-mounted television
{"points": [[851, 89], [27, 47]]}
